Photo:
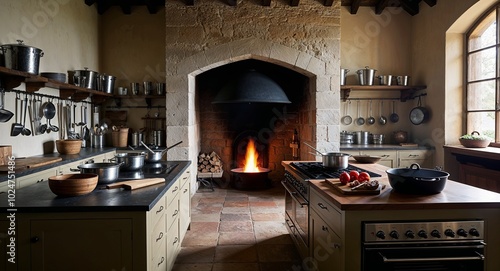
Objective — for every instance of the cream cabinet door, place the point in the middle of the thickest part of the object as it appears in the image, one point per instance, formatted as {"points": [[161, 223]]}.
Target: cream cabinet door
{"points": [[422, 157], [326, 248], [38, 177], [389, 157], [81, 244]]}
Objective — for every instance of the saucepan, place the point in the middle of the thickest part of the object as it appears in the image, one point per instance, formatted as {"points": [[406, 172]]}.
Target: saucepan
{"points": [[107, 172], [336, 160], [416, 180], [129, 161], [155, 156]]}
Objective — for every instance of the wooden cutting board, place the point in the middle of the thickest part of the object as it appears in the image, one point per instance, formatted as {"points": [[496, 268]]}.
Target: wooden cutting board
{"points": [[345, 189], [135, 184], [31, 162]]}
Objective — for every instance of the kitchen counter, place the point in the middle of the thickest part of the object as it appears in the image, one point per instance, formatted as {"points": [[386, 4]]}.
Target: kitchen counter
{"points": [[356, 147], [38, 197], [85, 153], [454, 196]]}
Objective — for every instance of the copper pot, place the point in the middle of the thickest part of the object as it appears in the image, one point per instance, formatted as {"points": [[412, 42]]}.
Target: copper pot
{"points": [[400, 136]]}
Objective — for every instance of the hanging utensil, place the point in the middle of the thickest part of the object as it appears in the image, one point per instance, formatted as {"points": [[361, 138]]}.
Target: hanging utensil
{"points": [[346, 119], [394, 117], [5, 115], [17, 127], [371, 119], [25, 131], [382, 120], [360, 120]]}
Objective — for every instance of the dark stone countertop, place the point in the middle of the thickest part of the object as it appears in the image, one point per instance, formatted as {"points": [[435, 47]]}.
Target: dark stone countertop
{"points": [[85, 153], [377, 147], [38, 197]]}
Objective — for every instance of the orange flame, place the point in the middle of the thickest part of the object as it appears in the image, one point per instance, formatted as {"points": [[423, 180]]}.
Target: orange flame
{"points": [[251, 158]]}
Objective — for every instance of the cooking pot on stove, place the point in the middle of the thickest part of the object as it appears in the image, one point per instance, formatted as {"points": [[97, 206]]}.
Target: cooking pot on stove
{"points": [[107, 172], [21, 57], [336, 160], [129, 161], [416, 180], [156, 156]]}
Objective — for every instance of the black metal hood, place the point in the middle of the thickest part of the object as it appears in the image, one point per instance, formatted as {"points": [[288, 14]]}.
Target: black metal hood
{"points": [[251, 87]]}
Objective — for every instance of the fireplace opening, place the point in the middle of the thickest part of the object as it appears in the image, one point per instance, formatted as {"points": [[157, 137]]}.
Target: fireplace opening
{"points": [[226, 127], [250, 172]]}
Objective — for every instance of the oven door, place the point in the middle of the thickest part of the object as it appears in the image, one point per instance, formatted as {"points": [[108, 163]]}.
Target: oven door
{"points": [[444, 256], [297, 210]]}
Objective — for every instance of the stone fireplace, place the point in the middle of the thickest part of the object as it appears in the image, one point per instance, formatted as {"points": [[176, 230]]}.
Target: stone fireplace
{"points": [[210, 42]]}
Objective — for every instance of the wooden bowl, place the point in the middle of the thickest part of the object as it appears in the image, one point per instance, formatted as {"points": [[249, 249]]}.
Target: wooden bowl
{"points": [[366, 159], [70, 185], [474, 143], [69, 146]]}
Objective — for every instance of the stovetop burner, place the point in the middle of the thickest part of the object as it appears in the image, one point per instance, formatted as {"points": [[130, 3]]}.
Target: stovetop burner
{"points": [[316, 170], [149, 170]]}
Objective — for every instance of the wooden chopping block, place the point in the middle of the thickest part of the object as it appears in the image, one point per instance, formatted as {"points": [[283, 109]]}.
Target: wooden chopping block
{"points": [[31, 162], [5, 153], [135, 184]]}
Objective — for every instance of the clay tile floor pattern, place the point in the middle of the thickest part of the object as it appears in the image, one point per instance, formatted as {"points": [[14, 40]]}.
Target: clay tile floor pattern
{"points": [[235, 230]]}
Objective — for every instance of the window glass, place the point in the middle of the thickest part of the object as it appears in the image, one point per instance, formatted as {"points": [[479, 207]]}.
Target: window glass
{"points": [[484, 33], [483, 122], [481, 96], [482, 65]]}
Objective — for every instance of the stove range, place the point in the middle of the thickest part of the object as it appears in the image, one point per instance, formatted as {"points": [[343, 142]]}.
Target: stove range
{"points": [[316, 170], [149, 170]]}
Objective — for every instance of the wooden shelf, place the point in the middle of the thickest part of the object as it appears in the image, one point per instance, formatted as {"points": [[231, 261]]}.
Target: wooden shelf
{"points": [[12, 79], [138, 96], [406, 92]]}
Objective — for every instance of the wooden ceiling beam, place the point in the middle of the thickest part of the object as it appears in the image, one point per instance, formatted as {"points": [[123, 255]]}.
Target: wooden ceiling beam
{"points": [[381, 6], [355, 6], [431, 3], [410, 6]]}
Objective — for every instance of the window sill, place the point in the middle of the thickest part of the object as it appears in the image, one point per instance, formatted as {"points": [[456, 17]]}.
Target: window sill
{"points": [[491, 152]]}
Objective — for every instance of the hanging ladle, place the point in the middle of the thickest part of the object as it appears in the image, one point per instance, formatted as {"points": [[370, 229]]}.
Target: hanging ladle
{"points": [[360, 120], [394, 117], [382, 120], [5, 115], [17, 127], [25, 131], [346, 119], [370, 120]]}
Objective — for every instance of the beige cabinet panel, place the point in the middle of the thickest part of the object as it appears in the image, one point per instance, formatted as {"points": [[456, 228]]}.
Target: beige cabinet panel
{"points": [[389, 157], [422, 157], [87, 244], [326, 247], [184, 209], [38, 177]]}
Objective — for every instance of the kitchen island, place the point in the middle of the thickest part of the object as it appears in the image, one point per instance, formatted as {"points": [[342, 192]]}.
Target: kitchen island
{"points": [[336, 220], [108, 229]]}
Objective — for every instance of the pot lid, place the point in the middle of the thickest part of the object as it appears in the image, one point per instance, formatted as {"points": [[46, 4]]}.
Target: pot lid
{"points": [[20, 43], [251, 87]]}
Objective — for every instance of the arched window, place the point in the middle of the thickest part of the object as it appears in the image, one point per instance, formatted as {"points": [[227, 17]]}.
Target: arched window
{"points": [[482, 100]]}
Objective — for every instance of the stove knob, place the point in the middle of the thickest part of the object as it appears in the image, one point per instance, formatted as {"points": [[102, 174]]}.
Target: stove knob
{"points": [[394, 234], [380, 234], [435, 233], [422, 234], [474, 232], [410, 234], [462, 232], [449, 233]]}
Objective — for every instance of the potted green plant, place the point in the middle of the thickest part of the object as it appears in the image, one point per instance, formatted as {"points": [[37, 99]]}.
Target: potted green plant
{"points": [[475, 140]]}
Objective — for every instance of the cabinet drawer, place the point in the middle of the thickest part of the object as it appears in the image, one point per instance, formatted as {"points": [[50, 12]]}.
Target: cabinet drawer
{"points": [[159, 260], [158, 236], [157, 212], [31, 179], [389, 158], [184, 179], [172, 213], [421, 157], [173, 191], [326, 210], [173, 244]]}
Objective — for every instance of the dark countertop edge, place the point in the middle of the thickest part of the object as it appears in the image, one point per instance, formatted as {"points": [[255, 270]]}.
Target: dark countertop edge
{"points": [[488, 152], [66, 159], [381, 147], [124, 208]]}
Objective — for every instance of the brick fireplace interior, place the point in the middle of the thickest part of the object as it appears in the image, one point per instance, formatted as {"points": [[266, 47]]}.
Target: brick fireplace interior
{"points": [[297, 46]]}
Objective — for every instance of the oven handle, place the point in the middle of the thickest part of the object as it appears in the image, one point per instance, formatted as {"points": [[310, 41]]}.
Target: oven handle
{"points": [[398, 260], [294, 194]]}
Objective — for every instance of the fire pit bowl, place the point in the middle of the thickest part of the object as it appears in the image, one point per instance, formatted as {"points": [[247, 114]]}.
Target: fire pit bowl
{"points": [[250, 180]]}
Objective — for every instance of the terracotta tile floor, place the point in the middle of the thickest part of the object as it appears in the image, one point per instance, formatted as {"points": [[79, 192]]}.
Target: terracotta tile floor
{"points": [[234, 230]]}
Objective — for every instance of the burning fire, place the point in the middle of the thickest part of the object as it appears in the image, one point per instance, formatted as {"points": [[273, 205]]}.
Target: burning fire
{"points": [[251, 158]]}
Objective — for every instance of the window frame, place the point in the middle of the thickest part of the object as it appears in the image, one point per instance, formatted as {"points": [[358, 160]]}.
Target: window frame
{"points": [[495, 79]]}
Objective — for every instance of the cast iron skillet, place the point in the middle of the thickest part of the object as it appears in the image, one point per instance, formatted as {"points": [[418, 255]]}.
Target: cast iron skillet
{"points": [[419, 114], [416, 180]]}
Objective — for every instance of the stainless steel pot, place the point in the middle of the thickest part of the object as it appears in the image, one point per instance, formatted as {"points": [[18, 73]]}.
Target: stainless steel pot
{"points": [[385, 80], [155, 156], [366, 76], [416, 180], [343, 75], [129, 161], [21, 57], [83, 78], [336, 160], [106, 83], [107, 172]]}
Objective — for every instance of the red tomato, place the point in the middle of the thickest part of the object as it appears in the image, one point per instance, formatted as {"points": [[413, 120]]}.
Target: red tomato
{"points": [[354, 175], [344, 178], [363, 177]]}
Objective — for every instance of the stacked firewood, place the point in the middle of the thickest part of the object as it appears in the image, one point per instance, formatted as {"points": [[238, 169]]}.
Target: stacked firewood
{"points": [[209, 162]]}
